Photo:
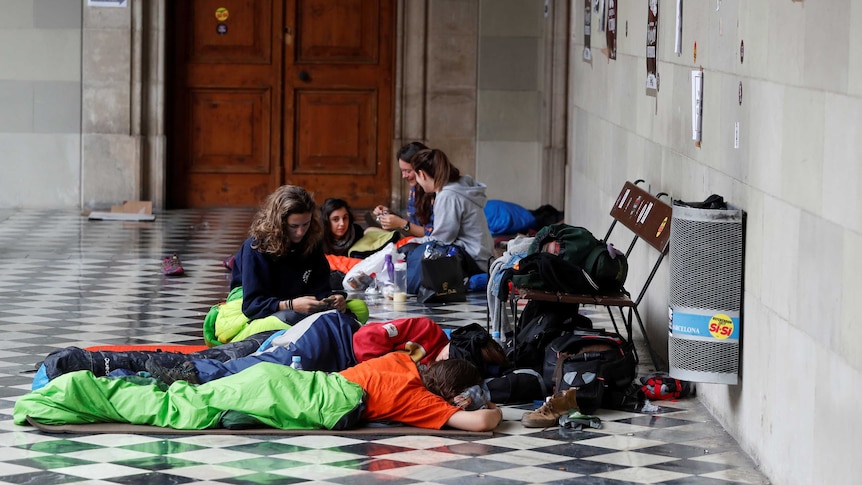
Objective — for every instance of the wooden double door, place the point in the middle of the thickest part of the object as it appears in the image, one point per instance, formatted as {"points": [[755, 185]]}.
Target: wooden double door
{"points": [[271, 92]]}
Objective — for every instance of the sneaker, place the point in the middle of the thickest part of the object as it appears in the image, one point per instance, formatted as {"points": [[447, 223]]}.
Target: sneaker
{"points": [[549, 414], [182, 372], [228, 262], [171, 266]]}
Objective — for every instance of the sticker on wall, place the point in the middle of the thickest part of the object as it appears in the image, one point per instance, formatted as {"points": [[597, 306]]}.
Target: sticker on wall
{"points": [[694, 52], [740, 93], [741, 51], [651, 45], [736, 136], [221, 29], [221, 14], [611, 33], [588, 18]]}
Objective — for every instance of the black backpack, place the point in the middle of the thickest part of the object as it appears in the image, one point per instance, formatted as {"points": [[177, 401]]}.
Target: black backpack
{"points": [[602, 365], [538, 325], [570, 259], [517, 386]]}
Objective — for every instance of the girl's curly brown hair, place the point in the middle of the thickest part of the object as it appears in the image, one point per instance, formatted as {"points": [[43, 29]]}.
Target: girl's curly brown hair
{"points": [[269, 228]]}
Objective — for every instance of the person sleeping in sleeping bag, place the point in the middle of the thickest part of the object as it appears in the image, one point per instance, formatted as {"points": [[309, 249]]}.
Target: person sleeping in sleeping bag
{"points": [[391, 388]]}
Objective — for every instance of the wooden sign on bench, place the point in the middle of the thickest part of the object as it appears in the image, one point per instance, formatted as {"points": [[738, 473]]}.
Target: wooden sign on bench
{"points": [[644, 214]]}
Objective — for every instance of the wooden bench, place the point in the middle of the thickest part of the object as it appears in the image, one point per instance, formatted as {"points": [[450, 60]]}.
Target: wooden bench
{"points": [[648, 218]]}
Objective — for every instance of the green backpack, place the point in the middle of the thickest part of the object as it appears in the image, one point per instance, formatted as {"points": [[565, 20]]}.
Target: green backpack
{"points": [[601, 262]]}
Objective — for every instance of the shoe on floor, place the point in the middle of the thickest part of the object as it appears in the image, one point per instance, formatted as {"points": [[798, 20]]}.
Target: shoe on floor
{"points": [[549, 414], [184, 371], [171, 266]]}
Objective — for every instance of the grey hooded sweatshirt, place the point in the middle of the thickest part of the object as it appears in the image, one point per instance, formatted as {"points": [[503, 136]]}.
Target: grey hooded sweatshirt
{"points": [[459, 219]]}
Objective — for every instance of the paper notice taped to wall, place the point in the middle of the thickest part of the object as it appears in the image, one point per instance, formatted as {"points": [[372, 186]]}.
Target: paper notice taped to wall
{"points": [[652, 44], [696, 105]]}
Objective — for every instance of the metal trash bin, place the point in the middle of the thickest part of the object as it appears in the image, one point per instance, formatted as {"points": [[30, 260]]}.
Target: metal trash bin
{"points": [[705, 303]]}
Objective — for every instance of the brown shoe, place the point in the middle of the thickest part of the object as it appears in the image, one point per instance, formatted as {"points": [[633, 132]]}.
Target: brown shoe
{"points": [[549, 414]]}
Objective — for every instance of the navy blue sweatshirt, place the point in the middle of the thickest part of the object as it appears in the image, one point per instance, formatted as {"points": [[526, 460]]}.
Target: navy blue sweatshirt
{"points": [[266, 281]]}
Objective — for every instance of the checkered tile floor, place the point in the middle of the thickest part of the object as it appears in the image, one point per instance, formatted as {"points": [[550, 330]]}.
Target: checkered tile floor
{"points": [[70, 281]]}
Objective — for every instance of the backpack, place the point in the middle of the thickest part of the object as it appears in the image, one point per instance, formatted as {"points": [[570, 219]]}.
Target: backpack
{"points": [[517, 386], [549, 272], [660, 385], [568, 258], [602, 365], [539, 324]]}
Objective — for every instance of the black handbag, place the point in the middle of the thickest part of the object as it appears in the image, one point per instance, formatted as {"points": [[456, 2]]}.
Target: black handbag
{"points": [[442, 279]]}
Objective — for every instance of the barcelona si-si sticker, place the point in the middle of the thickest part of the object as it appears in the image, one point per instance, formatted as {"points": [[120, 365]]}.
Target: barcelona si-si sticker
{"points": [[661, 227]]}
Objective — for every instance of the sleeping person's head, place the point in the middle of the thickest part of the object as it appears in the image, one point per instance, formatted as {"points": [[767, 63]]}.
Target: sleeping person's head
{"points": [[449, 378]]}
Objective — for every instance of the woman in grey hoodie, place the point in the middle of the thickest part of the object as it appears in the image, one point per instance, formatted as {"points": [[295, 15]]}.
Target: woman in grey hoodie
{"points": [[459, 206]]}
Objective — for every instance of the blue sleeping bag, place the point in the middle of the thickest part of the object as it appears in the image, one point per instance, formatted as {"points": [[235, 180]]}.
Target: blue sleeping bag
{"points": [[508, 217]]}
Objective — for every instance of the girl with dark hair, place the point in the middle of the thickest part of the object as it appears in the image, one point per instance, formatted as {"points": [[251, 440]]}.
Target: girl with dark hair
{"points": [[281, 266], [412, 224], [340, 229], [459, 206]]}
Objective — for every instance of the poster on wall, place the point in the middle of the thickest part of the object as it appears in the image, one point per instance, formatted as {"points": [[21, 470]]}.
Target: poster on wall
{"points": [[600, 9], [696, 106], [587, 30], [677, 43], [651, 44], [611, 33]]}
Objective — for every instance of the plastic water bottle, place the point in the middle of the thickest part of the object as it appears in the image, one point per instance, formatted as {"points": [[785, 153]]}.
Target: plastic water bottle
{"points": [[372, 290], [296, 362], [400, 280]]}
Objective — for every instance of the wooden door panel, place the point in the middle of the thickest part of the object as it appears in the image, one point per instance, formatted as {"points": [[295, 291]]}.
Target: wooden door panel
{"points": [[350, 114], [246, 150], [355, 39], [338, 99], [245, 37]]}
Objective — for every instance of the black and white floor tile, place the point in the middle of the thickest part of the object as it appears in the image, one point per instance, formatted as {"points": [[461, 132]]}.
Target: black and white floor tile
{"points": [[71, 281]]}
